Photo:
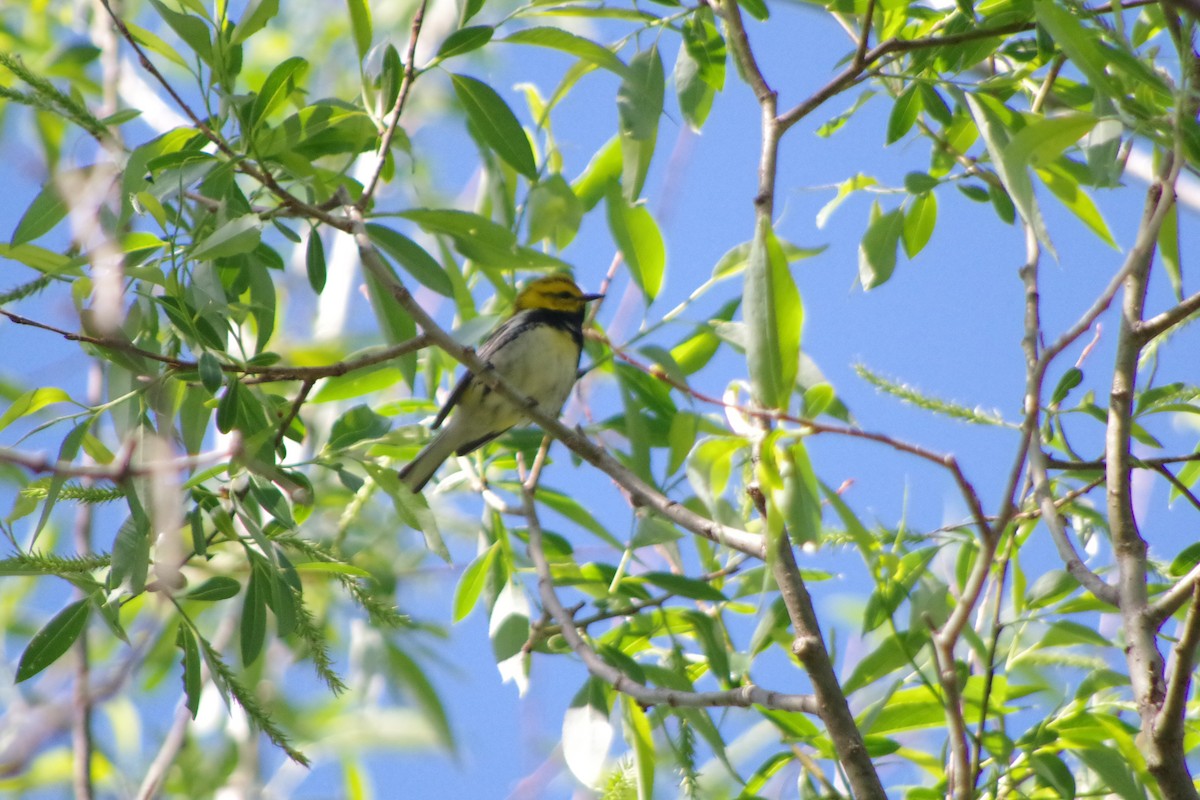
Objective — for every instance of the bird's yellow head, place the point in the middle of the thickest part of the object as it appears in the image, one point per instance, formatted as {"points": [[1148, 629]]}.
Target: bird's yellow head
{"points": [[554, 293]]}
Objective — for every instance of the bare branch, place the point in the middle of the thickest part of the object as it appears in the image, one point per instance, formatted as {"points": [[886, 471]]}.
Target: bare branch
{"points": [[121, 470], [743, 696], [1168, 725], [1161, 323]]}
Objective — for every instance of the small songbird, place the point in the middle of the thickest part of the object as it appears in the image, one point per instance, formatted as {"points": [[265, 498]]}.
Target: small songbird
{"points": [[536, 350]]}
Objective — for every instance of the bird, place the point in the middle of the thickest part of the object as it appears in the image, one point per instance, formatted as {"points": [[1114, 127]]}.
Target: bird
{"points": [[536, 350]]}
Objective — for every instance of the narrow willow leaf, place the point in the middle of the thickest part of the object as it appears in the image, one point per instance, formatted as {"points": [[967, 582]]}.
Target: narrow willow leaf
{"points": [[567, 42], [773, 314], [1081, 45], [639, 106], [877, 251], [554, 212], [919, 222], [640, 96], [996, 137], [470, 585], [218, 587], [1068, 191], [360, 23], [254, 617], [54, 639], [280, 83], [192, 683], [237, 236], [31, 402], [587, 733], [211, 374], [464, 40], [905, 111], [414, 258], [314, 261], [194, 32], [638, 238], [47, 210], [603, 168], [415, 678], [496, 123], [699, 67], [639, 734], [1168, 250], [257, 15]]}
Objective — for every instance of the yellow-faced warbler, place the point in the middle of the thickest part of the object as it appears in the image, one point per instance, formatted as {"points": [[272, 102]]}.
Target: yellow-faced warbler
{"points": [[536, 350]]}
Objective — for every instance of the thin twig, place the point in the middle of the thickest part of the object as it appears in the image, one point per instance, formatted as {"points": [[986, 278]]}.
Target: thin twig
{"points": [[122, 470], [242, 165], [742, 697], [393, 118], [294, 411], [642, 493]]}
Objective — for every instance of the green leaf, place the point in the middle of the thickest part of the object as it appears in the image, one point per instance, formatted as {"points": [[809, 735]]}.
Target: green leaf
{"points": [[905, 111], [277, 87], [422, 692], [470, 585], [554, 211], [314, 261], [482, 240], [257, 15], [564, 41], [893, 653], [919, 222], [639, 106], [31, 402], [1082, 45], [193, 31], [920, 182], [395, 323], [360, 23], [464, 40], [54, 639], [1070, 379], [1080, 203], [496, 123], [227, 406], [587, 733], [414, 258], [700, 66], [996, 137], [237, 236], [355, 425], [640, 736], [637, 236], [218, 587], [877, 251], [603, 168], [640, 96], [192, 683], [211, 374], [254, 616], [1168, 250], [684, 586], [773, 314], [47, 210], [66, 454]]}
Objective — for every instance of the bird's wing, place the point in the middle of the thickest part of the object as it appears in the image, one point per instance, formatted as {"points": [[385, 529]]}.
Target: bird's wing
{"points": [[499, 338]]}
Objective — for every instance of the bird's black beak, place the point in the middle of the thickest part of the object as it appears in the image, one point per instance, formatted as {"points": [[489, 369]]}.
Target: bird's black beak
{"points": [[587, 298]]}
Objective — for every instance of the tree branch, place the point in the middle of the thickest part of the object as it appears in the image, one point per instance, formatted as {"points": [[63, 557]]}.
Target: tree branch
{"points": [[642, 493], [393, 118], [742, 697]]}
